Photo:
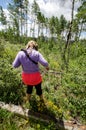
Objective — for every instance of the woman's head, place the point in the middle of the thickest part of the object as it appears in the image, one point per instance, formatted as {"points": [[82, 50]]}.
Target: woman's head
{"points": [[32, 44]]}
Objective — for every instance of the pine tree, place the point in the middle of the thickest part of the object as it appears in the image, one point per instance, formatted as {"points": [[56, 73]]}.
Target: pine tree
{"points": [[2, 16]]}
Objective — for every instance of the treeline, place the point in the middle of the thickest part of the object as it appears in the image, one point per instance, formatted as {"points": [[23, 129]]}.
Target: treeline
{"points": [[27, 20]]}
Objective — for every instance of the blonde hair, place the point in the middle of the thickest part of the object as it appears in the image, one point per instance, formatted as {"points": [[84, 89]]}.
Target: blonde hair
{"points": [[32, 44]]}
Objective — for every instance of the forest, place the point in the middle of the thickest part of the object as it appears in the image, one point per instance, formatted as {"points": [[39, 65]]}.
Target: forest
{"points": [[64, 85]]}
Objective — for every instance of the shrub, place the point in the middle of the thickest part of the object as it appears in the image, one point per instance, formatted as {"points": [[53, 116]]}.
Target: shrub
{"points": [[10, 83], [74, 88]]}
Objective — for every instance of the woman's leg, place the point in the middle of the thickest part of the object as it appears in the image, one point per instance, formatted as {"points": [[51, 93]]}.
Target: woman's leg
{"points": [[39, 91], [29, 92]]}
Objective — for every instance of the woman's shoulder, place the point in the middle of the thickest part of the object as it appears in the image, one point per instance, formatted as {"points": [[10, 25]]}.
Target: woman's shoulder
{"points": [[21, 53], [35, 52]]}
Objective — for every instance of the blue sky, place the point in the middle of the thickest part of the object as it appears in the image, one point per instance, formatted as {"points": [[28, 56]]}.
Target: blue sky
{"points": [[4, 3], [83, 35]]}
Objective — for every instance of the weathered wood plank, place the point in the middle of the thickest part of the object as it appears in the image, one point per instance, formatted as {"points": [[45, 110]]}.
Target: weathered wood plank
{"points": [[26, 113]]}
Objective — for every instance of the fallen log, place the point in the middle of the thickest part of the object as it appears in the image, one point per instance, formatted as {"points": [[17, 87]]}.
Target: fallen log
{"points": [[26, 113]]}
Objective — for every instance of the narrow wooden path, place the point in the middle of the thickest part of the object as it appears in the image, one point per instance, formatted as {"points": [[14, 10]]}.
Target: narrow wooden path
{"points": [[25, 113]]}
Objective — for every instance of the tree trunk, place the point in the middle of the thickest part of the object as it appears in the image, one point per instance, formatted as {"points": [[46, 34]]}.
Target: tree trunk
{"points": [[67, 44]]}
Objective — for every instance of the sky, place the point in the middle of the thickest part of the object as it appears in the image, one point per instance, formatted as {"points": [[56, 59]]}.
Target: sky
{"points": [[57, 8], [51, 7]]}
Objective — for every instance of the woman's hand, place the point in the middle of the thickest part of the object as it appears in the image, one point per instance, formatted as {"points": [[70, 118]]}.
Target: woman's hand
{"points": [[47, 68]]}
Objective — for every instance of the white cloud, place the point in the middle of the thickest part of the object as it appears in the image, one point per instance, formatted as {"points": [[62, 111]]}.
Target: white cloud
{"points": [[54, 7], [6, 13], [57, 8], [7, 18], [1, 27]]}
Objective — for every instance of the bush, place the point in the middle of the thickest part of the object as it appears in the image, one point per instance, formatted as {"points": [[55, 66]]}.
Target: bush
{"points": [[74, 87], [10, 80], [10, 83]]}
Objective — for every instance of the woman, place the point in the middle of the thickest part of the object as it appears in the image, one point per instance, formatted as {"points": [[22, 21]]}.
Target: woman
{"points": [[29, 59]]}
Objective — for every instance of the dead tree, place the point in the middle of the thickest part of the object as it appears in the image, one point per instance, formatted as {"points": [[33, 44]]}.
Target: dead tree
{"points": [[66, 52]]}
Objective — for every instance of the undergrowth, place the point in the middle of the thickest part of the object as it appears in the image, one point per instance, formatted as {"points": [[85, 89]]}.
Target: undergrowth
{"points": [[64, 92]]}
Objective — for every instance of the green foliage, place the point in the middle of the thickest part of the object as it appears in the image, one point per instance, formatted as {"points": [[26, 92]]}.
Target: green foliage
{"points": [[65, 93], [1, 48], [82, 12], [6, 121], [78, 49], [2, 16], [10, 79], [10, 84], [74, 88], [74, 82]]}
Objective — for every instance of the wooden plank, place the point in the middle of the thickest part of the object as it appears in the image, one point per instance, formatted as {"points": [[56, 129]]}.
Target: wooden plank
{"points": [[25, 113]]}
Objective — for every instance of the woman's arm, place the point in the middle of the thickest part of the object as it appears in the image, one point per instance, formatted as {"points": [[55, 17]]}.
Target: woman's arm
{"points": [[43, 62], [16, 63]]}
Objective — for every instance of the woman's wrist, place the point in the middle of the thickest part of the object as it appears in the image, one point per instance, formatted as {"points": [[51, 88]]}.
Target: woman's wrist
{"points": [[47, 68]]}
